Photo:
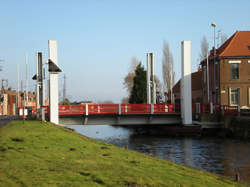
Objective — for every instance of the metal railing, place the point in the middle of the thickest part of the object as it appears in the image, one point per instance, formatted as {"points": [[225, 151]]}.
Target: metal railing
{"points": [[124, 109], [200, 108]]}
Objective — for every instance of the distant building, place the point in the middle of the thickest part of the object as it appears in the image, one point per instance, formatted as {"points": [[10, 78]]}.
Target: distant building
{"points": [[9, 103], [196, 88], [229, 76]]}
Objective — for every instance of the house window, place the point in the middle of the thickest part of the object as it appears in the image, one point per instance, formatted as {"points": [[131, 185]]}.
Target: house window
{"points": [[234, 96], [235, 71]]}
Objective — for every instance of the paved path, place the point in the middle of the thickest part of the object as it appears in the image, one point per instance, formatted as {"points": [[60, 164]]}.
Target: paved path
{"points": [[6, 119]]}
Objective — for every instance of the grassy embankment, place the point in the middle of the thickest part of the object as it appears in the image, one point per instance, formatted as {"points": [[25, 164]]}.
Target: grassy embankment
{"points": [[43, 154]]}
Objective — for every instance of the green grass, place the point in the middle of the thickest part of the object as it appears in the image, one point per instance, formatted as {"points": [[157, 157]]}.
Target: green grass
{"points": [[36, 154]]}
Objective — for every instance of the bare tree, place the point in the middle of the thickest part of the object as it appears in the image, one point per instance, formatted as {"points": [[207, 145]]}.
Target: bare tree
{"points": [[167, 68], [158, 84], [134, 63], [159, 90], [204, 48], [125, 100], [129, 79]]}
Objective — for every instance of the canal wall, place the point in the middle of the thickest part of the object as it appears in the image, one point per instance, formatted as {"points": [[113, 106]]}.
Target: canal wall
{"points": [[239, 126], [231, 126]]}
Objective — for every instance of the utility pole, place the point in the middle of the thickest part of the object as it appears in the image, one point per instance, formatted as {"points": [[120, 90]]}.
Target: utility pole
{"points": [[64, 87], [18, 86], [21, 86], [26, 84], [208, 97], [1, 60]]}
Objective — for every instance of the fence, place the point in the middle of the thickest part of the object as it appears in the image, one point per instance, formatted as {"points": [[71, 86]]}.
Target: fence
{"points": [[211, 108]]}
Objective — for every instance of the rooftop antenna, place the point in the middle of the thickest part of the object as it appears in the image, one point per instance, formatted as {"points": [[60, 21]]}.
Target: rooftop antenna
{"points": [[219, 33]]}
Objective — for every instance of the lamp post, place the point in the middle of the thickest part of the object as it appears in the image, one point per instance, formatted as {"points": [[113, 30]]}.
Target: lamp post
{"points": [[208, 99], [214, 85]]}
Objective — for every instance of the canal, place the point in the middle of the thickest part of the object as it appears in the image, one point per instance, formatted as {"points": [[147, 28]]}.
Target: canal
{"points": [[217, 155]]}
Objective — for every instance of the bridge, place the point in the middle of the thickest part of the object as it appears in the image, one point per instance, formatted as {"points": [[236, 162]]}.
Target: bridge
{"points": [[132, 114], [119, 114]]}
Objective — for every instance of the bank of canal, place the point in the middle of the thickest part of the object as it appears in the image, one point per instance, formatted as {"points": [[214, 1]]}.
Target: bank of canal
{"points": [[224, 156], [41, 154]]}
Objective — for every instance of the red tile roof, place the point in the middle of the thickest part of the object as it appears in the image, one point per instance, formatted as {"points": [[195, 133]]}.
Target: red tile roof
{"points": [[236, 46]]}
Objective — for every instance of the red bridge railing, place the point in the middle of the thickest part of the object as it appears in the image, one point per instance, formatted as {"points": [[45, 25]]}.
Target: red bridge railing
{"points": [[123, 109], [215, 108], [94, 109], [103, 109], [135, 109]]}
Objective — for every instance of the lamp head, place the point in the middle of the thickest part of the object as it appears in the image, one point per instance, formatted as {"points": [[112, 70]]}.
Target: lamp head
{"points": [[213, 25]]}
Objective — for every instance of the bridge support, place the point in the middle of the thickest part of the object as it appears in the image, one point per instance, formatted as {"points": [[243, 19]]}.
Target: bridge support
{"points": [[53, 84], [151, 93], [211, 108], [186, 94], [39, 86]]}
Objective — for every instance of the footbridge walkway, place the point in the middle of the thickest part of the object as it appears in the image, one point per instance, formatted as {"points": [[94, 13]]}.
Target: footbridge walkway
{"points": [[119, 114], [132, 114]]}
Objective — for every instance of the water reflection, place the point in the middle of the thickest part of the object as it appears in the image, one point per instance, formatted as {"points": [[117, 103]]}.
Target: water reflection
{"points": [[222, 156]]}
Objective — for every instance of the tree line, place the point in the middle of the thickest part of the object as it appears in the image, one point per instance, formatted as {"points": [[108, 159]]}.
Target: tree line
{"points": [[136, 84]]}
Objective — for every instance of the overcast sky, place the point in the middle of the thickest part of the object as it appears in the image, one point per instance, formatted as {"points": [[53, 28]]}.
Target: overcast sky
{"points": [[97, 38]]}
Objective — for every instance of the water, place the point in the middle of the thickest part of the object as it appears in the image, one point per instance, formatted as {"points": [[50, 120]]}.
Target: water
{"points": [[221, 156]]}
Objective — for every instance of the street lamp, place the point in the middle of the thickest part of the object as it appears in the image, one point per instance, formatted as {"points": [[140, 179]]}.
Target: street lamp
{"points": [[214, 26], [208, 99]]}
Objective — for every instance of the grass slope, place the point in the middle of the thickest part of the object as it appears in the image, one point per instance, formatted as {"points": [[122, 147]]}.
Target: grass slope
{"points": [[46, 155]]}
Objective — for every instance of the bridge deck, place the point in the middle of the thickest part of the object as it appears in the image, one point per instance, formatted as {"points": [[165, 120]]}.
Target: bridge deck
{"points": [[132, 114], [130, 119]]}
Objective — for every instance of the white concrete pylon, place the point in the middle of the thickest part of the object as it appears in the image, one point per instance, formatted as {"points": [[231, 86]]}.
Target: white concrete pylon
{"points": [[148, 79], [186, 94], [53, 84], [151, 90]]}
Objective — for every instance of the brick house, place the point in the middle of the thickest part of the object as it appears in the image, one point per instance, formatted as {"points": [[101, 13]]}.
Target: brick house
{"points": [[228, 72], [9, 105], [196, 87]]}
